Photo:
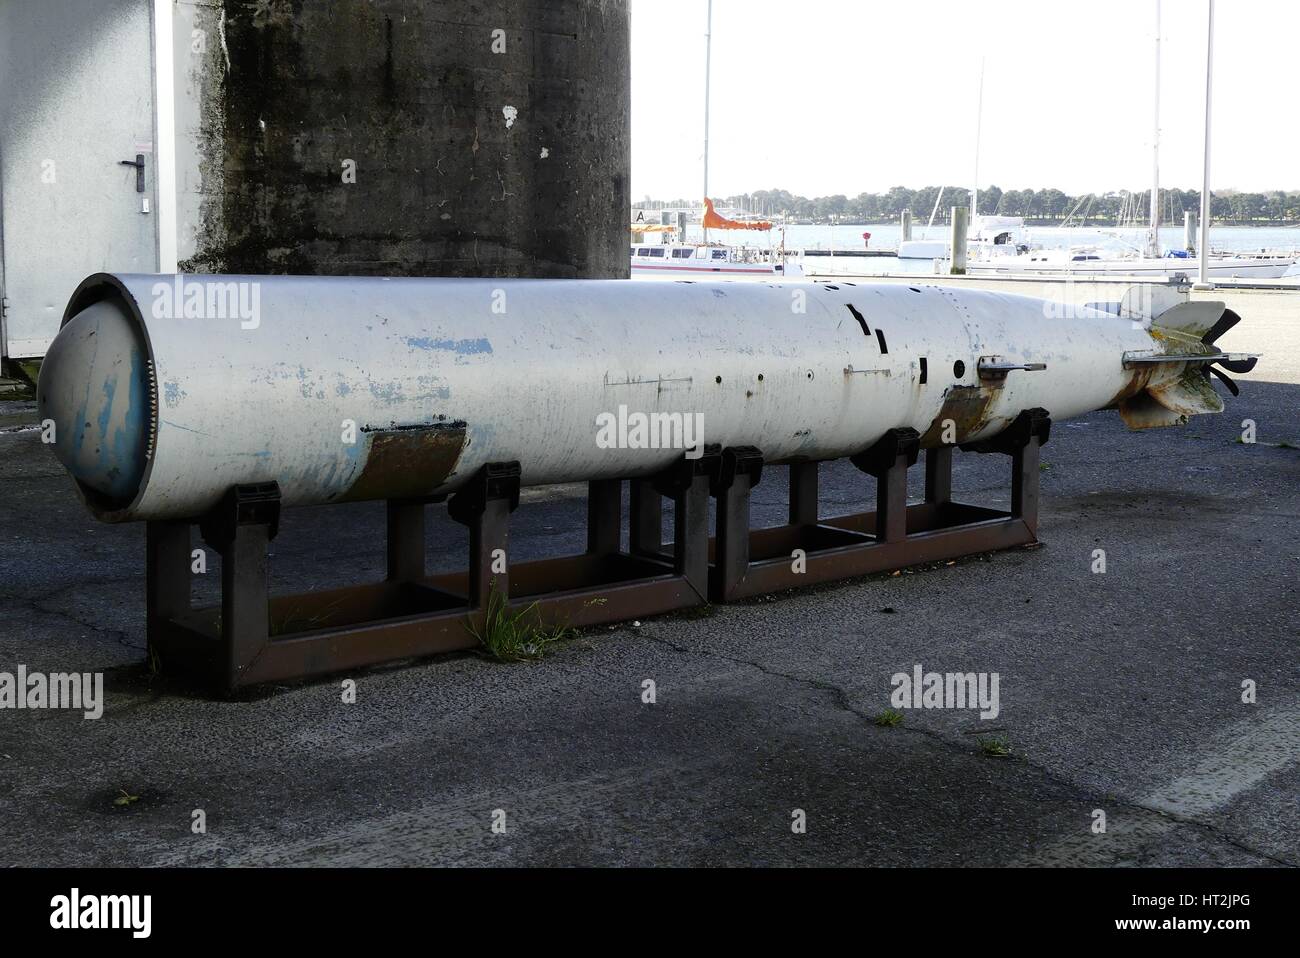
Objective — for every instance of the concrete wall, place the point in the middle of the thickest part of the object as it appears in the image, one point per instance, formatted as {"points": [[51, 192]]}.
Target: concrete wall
{"points": [[468, 162]]}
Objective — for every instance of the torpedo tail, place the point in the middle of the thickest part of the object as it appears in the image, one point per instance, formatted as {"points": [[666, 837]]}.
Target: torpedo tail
{"points": [[1184, 334]]}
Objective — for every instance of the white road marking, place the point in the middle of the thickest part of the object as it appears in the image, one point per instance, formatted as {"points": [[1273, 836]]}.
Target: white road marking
{"points": [[1234, 762]]}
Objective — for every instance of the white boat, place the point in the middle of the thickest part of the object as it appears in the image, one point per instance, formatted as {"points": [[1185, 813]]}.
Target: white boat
{"points": [[1147, 262], [669, 256], [1093, 261], [989, 237], [686, 260]]}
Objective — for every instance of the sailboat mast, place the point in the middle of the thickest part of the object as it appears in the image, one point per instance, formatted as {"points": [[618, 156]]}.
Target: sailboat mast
{"points": [[1205, 169], [1153, 233], [708, 57], [979, 126]]}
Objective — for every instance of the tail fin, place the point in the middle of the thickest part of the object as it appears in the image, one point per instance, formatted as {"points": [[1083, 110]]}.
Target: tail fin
{"points": [[1173, 403], [1194, 321], [1186, 330]]}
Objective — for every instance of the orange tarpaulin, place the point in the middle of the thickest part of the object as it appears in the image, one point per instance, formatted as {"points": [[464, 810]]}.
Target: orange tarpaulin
{"points": [[712, 221]]}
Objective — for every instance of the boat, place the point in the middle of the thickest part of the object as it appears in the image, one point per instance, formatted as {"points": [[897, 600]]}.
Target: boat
{"points": [[1149, 261], [710, 259], [671, 256], [989, 238], [1097, 261]]}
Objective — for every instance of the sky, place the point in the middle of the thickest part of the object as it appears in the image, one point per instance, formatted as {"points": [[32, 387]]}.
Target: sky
{"points": [[849, 96]]}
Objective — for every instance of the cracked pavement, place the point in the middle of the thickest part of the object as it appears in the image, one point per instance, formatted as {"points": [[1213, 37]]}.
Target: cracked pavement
{"points": [[1119, 692]]}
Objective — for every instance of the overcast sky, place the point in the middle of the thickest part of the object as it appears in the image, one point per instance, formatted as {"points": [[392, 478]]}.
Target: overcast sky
{"points": [[846, 96]]}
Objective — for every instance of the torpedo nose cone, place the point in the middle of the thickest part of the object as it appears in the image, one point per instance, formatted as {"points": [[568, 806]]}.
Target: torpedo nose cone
{"points": [[94, 386]]}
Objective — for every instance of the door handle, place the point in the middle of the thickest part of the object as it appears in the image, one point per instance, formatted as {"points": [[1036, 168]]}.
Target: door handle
{"points": [[138, 163]]}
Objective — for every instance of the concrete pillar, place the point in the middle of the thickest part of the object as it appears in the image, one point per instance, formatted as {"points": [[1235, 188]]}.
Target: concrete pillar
{"points": [[905, 232], [1189, 231], [401, 137], [958, 240]]}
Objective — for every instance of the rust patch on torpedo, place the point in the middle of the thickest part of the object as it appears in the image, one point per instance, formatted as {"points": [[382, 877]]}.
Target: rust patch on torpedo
{"points": [[408, 462], [967, 407], [1139, 381]]}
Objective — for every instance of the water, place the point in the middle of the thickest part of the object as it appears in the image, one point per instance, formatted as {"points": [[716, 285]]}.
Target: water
{"points": [[1241, 239]]}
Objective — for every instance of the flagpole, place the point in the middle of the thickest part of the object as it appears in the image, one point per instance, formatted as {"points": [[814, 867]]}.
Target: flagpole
{"points": [[708, 57], [1205, 170]]}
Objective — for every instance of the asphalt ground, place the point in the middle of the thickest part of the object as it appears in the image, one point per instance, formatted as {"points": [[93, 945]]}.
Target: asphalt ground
{"points": [[1119, 692]]}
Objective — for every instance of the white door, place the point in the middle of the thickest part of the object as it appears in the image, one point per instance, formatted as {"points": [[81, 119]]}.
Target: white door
{"points": [[76, 99]]}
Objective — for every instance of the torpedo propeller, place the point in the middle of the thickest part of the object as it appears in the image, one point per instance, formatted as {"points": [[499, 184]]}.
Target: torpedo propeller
{"points": [[1225, 323]]}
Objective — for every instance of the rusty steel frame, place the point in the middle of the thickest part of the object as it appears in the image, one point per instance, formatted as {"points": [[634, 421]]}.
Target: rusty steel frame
{"points": [[254, 638], [747, 563]]}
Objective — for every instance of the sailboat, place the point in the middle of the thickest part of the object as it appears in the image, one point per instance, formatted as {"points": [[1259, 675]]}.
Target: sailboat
{"points": [[677, 258], [987, 237], [1149, 261]]}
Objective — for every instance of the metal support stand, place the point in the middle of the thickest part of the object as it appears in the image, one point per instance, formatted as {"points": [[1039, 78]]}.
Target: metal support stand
{"points": [[741, 470], [803, 493], [938, 475], [645, 533], [254, 638], [813, 550], [485, 506], [1022, 441], [888, 460], [604, 516]]}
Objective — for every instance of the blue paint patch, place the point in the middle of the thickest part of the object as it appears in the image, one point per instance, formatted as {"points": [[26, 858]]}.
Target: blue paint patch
{"points": [[461, 347], [79, 434], [121, 456], [388, 393], [172, 393]]}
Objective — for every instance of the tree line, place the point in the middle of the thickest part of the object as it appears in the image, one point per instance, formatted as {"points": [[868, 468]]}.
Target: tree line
{"points": [[1040, 207]]}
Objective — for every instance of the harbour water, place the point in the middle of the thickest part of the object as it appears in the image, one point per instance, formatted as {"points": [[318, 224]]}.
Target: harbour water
{"points": [[846, 236]]}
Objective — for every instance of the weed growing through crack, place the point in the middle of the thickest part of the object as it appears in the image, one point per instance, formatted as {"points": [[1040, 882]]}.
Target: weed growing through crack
{"points": [[516, 636], [889, 718], [994, 746]]}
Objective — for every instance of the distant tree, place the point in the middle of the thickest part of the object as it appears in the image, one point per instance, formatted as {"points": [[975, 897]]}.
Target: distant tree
{"points": [[896, 200], [1229, 206], [990, 199]]}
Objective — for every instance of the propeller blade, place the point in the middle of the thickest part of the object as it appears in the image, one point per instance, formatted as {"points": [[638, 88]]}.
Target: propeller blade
{"points": [[1232, 387], [1225, 323], [1239, 365]]}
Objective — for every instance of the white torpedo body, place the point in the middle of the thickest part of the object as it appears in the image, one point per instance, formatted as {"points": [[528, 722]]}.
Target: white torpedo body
{"points": [[166, 391]]}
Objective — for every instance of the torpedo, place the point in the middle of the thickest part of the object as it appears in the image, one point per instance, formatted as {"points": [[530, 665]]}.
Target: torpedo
{"points": [[344, 388]]}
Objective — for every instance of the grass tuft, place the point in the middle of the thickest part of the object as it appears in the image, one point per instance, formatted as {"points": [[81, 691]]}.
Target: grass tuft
{"points": [[516, 636], [889, 718], [994, 746]]}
